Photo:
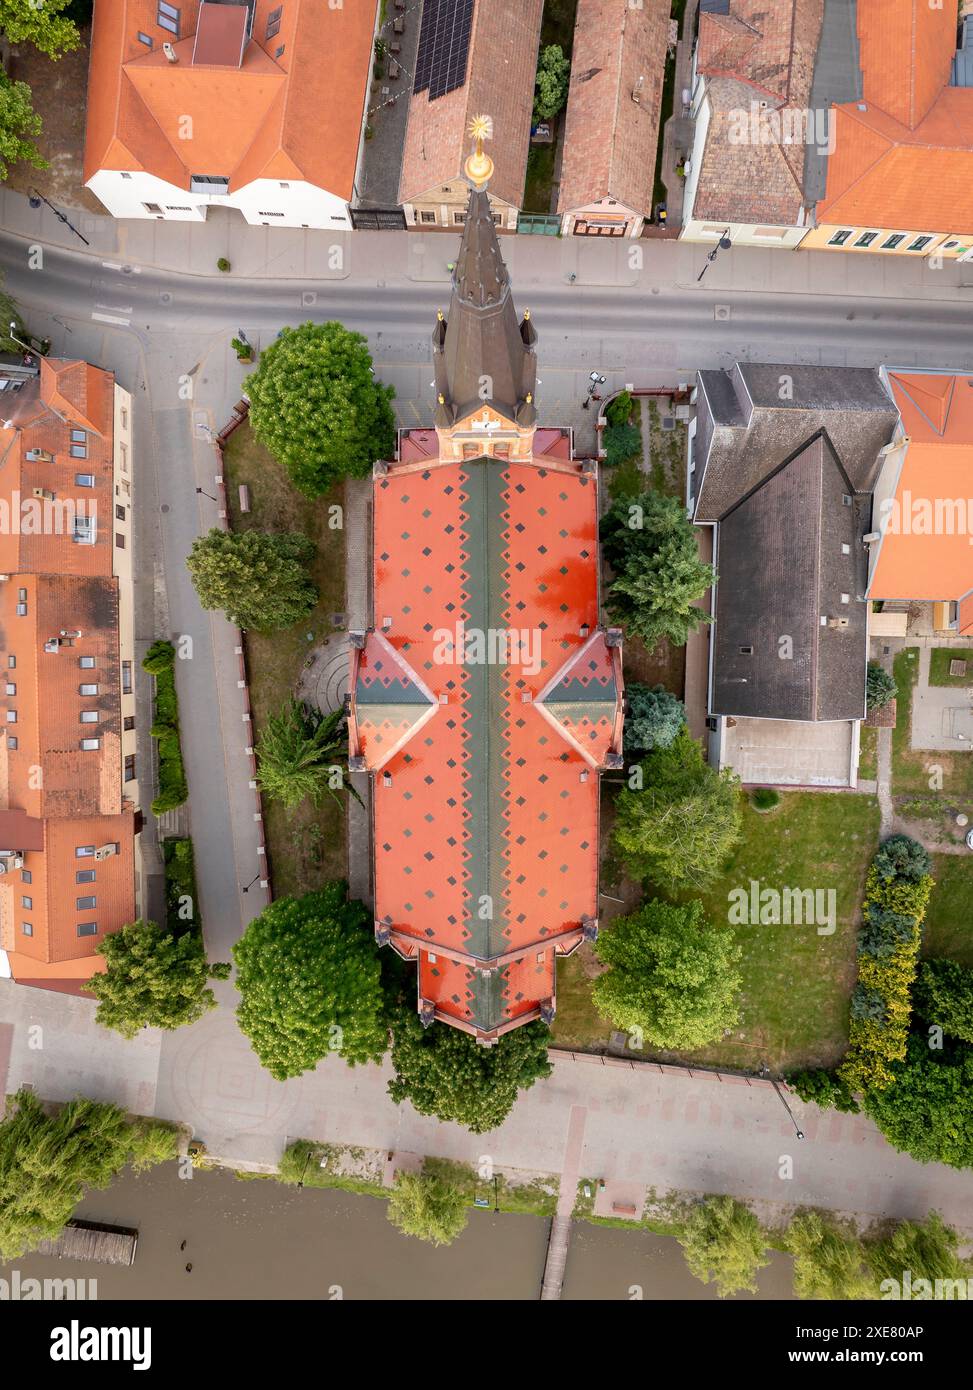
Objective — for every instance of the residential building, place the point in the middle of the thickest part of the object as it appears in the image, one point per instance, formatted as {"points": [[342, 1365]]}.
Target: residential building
{"points": [[924, 500], [473, 55], [487, 697], [783, 461], [900, 175], [69, 791], [753, 69], [611, 131], [258, 106]]}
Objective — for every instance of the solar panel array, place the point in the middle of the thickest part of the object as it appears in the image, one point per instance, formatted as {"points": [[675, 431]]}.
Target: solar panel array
{"points": [[444, 43]]}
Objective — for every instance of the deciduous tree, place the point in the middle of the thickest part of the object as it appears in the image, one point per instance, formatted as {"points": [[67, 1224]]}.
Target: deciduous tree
{"points": [[19, 123], [315, 404], [925, 1109], [308, 973], [944, 996], [258, 579], [41, 23], [672, 976], [154, 978], [427, 1207], [829, 1259], [723, 1245], [551, 85]]}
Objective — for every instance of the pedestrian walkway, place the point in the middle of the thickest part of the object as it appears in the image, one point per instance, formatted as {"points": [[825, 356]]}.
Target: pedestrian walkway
{"points": [[560, 1237]]}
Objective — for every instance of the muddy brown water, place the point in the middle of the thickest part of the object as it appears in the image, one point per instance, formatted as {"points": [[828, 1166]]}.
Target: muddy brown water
{"points": [[261, 1240]]}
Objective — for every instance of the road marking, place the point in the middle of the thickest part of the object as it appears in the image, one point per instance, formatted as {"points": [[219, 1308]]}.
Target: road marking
{"points": [[111, 318], [115, 308], [111, 265]]}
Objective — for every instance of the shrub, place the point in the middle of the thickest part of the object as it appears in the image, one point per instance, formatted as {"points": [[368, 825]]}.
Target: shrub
{"points": [[161, 656], [823, 1088], [883, 931], [621, 443], [619, 411], [159, 660], [223, 264], [879, 687], [765, 798], [653, 718], [901, 857], [944, 995]]}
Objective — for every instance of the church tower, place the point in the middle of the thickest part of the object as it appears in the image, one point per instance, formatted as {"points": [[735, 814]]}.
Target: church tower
{"points": [[486, 369]]}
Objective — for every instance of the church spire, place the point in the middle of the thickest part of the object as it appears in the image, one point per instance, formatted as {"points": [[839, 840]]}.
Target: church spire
{"points": [[483, 357]]}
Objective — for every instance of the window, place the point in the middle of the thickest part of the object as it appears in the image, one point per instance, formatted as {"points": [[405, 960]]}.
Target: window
{"points": [[866, 238], [85, 530], [746, 651], [890, 243], [86, 662], [126, 678], [129, 767], [284, 185], [79, 444], [26, 876], [279, 53], [22, 594], [87, 690], [459, 218], [89, 716], [840, 238], [85, 875], [11, 688], [497, 219], [27, 928], [12, 662], [83, 851], [89, 745], [209, 183], [920, 243], [84, 479], [147, 40], [12, 743], [124, 176], [11, 716], [153, 207], [427, 217], [846, 500], [273, 21], [26, 902], [270, 214], [87, 928], [119, 541], [128, 724], [167, 18], [21, 610], [85, 904]]}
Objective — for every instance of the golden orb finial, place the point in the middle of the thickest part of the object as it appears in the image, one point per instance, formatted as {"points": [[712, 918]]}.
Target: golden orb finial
{"points": [[527, 314], [530, 398], [441, 398], [479, 165], [439, 315]]}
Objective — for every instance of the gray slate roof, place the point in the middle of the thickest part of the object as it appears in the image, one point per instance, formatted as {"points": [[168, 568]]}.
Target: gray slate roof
{"points": [[781, 571]]}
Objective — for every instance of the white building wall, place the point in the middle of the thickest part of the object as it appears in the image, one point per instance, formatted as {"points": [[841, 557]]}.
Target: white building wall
{"points": [[262, 202]]}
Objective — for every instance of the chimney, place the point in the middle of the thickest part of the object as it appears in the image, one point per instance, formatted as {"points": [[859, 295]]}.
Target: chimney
{"points": [[170, 53]]}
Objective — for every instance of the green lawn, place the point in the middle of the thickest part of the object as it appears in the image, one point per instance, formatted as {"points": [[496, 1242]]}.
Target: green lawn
{"points": [[796, 984], [868, 755], [307, 846], [540, 176], [939, 659], [948, 927]]}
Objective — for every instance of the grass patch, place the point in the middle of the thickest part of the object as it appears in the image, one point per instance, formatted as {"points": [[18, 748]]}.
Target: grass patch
{"points": [[868, 753], [540, 177], [948, 926], [534, 1197], [305, 846], [160, 662], [667, 454], [180, 877], [796, 984], [939, 659], [912, 768]]}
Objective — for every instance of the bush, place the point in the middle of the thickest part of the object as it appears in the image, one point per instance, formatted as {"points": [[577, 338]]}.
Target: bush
{"points": [[879, 687], [159, 661], [927, 1112], [621, 443], [223, 264], [823, 1088], [944, 996], [765, 798], [619, 411], [180, 875], [900, 857], [653, 718], [883, 931]]}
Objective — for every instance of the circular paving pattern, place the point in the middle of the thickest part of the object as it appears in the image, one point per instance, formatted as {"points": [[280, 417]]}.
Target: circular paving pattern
{"points": [[324, 680]]}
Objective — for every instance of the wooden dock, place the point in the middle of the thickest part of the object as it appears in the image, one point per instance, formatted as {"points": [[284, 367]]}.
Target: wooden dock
{"points": [[92, 1241]]}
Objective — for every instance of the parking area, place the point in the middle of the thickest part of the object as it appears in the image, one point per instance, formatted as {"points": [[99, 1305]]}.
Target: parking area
{"points": [[789, 753]]}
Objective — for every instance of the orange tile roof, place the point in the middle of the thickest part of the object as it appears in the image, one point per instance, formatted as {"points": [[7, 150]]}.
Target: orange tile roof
{"points": [[919, 559], [295, 116], [610, 140], [906, 52], [501, 67], [488, 782]]}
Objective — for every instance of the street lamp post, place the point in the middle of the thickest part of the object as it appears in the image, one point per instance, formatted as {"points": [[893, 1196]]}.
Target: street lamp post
{"points": [[35, 199], [13, 338], [595, 379], [723, 244], [212, 499], [765, 1072], [247, 886]]}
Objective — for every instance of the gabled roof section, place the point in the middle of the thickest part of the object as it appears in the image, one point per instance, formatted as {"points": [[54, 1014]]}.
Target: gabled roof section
{"points": [[755, 43], [390, 703], [287, 109], [610, 138], [582, 700], [501, 67], [907, 49]]}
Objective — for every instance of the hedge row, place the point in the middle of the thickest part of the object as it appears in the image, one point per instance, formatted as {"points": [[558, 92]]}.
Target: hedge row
{"points": [[160, 662], [897, 891], [181, 897]]}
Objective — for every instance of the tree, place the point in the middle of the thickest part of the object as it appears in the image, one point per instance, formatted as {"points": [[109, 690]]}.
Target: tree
{"points": [[671, 975], [829, 1259], [651, 546], [619, 411], [679, 827], [722, 1243], [301, 754], [551, 84], [42, 24], [944, 995], [621, 443], [926, 1110], [914, 1251], [308, 973], [900, 857], [315, 404], [154, 978], [653, 718], [259, 580], [427, 1207], [823, 1088], [446, 1073], [48, 1161], [18, 123], [879, 687]]}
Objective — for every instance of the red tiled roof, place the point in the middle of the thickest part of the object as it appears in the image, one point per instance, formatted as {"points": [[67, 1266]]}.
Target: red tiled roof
{"points": [[906, 50]]}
